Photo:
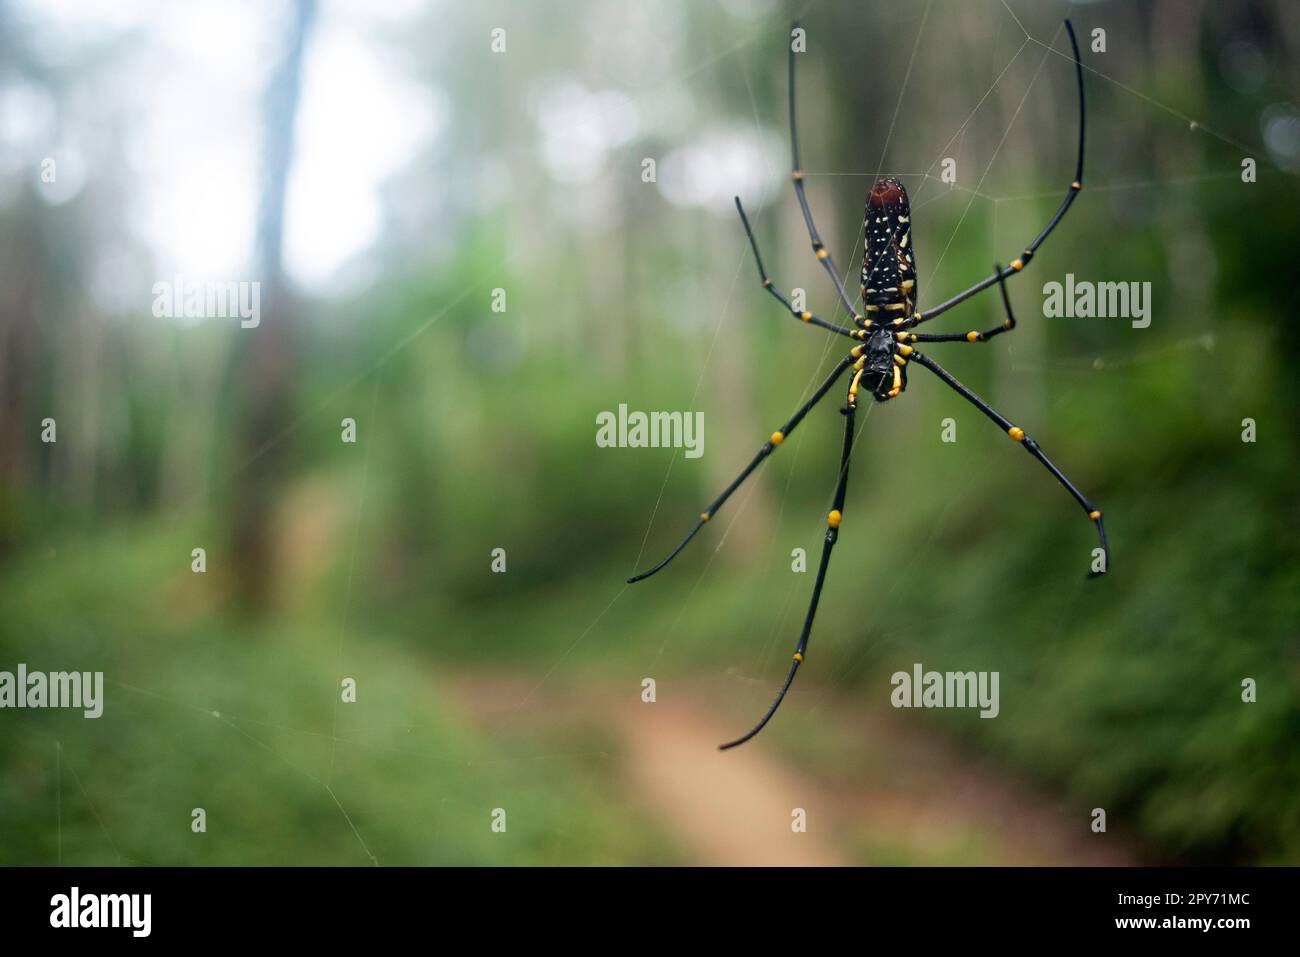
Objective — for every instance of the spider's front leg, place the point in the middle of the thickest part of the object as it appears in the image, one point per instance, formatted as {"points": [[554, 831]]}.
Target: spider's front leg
{"points": [[828, 544], [802, 315], [768, 448], [1032, 447]]}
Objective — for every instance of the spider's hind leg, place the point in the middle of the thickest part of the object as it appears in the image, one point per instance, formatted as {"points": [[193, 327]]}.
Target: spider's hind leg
{"points": [[767, 284], [797, 176], [1018, 264], [974, 335]]}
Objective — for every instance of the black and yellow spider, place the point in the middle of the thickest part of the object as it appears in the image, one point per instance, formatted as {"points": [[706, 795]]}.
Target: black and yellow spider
{"points": [[879, 364]]}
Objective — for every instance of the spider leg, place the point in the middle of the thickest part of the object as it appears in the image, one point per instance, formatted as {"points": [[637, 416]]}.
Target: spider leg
{"points": [[1032, 447], [1007, 325], [777, 438], [832, 533], [1020, 262], [819, 248], [780, 297]]}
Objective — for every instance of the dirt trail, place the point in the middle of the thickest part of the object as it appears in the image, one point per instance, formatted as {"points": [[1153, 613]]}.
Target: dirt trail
{"points": [[733, 809], [906, 797]]}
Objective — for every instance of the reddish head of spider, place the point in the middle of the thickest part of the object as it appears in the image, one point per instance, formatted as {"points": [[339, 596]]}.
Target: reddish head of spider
{"points": [[888, 194]]}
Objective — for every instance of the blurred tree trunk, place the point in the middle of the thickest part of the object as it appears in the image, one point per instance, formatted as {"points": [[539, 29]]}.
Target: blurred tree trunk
{"points": [[736, 397], [1019, 374], [267, 355], [20, 336], [21, 268]]}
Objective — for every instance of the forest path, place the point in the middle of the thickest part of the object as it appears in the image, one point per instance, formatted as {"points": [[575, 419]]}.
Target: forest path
{"points": [[907, 797]]}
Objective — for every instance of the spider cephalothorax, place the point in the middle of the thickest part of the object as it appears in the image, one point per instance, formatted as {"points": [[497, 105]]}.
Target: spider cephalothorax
{"points": [[881, 374], [885, 331]]}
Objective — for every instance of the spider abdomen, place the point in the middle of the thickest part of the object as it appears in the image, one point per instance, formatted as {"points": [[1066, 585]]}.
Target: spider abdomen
{"points": [[888, 260]]}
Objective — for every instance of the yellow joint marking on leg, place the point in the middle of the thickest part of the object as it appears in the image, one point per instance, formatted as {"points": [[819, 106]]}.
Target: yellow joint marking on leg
{"points": [[798, 656], [899, 321], [972, 336], [1017, 264], [853, 386], [704, 516], [1017, 433], [914, 337], [1095, 514], [916, 316], [899, 360], [822, 254], [906, 350], [898, 380], [778, 437], [857, 351], [797, 175], [893, 393], [805, 316], [858, 318], [833, 519], [766, 283], [1076, 185], [1008, 324]]}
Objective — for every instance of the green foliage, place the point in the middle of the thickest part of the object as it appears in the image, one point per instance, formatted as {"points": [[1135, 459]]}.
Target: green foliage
{"points": [[476, 431], [248, 724]]}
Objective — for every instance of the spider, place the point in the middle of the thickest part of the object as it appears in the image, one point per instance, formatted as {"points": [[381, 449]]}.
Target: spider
{"points": [[885, 330]]}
